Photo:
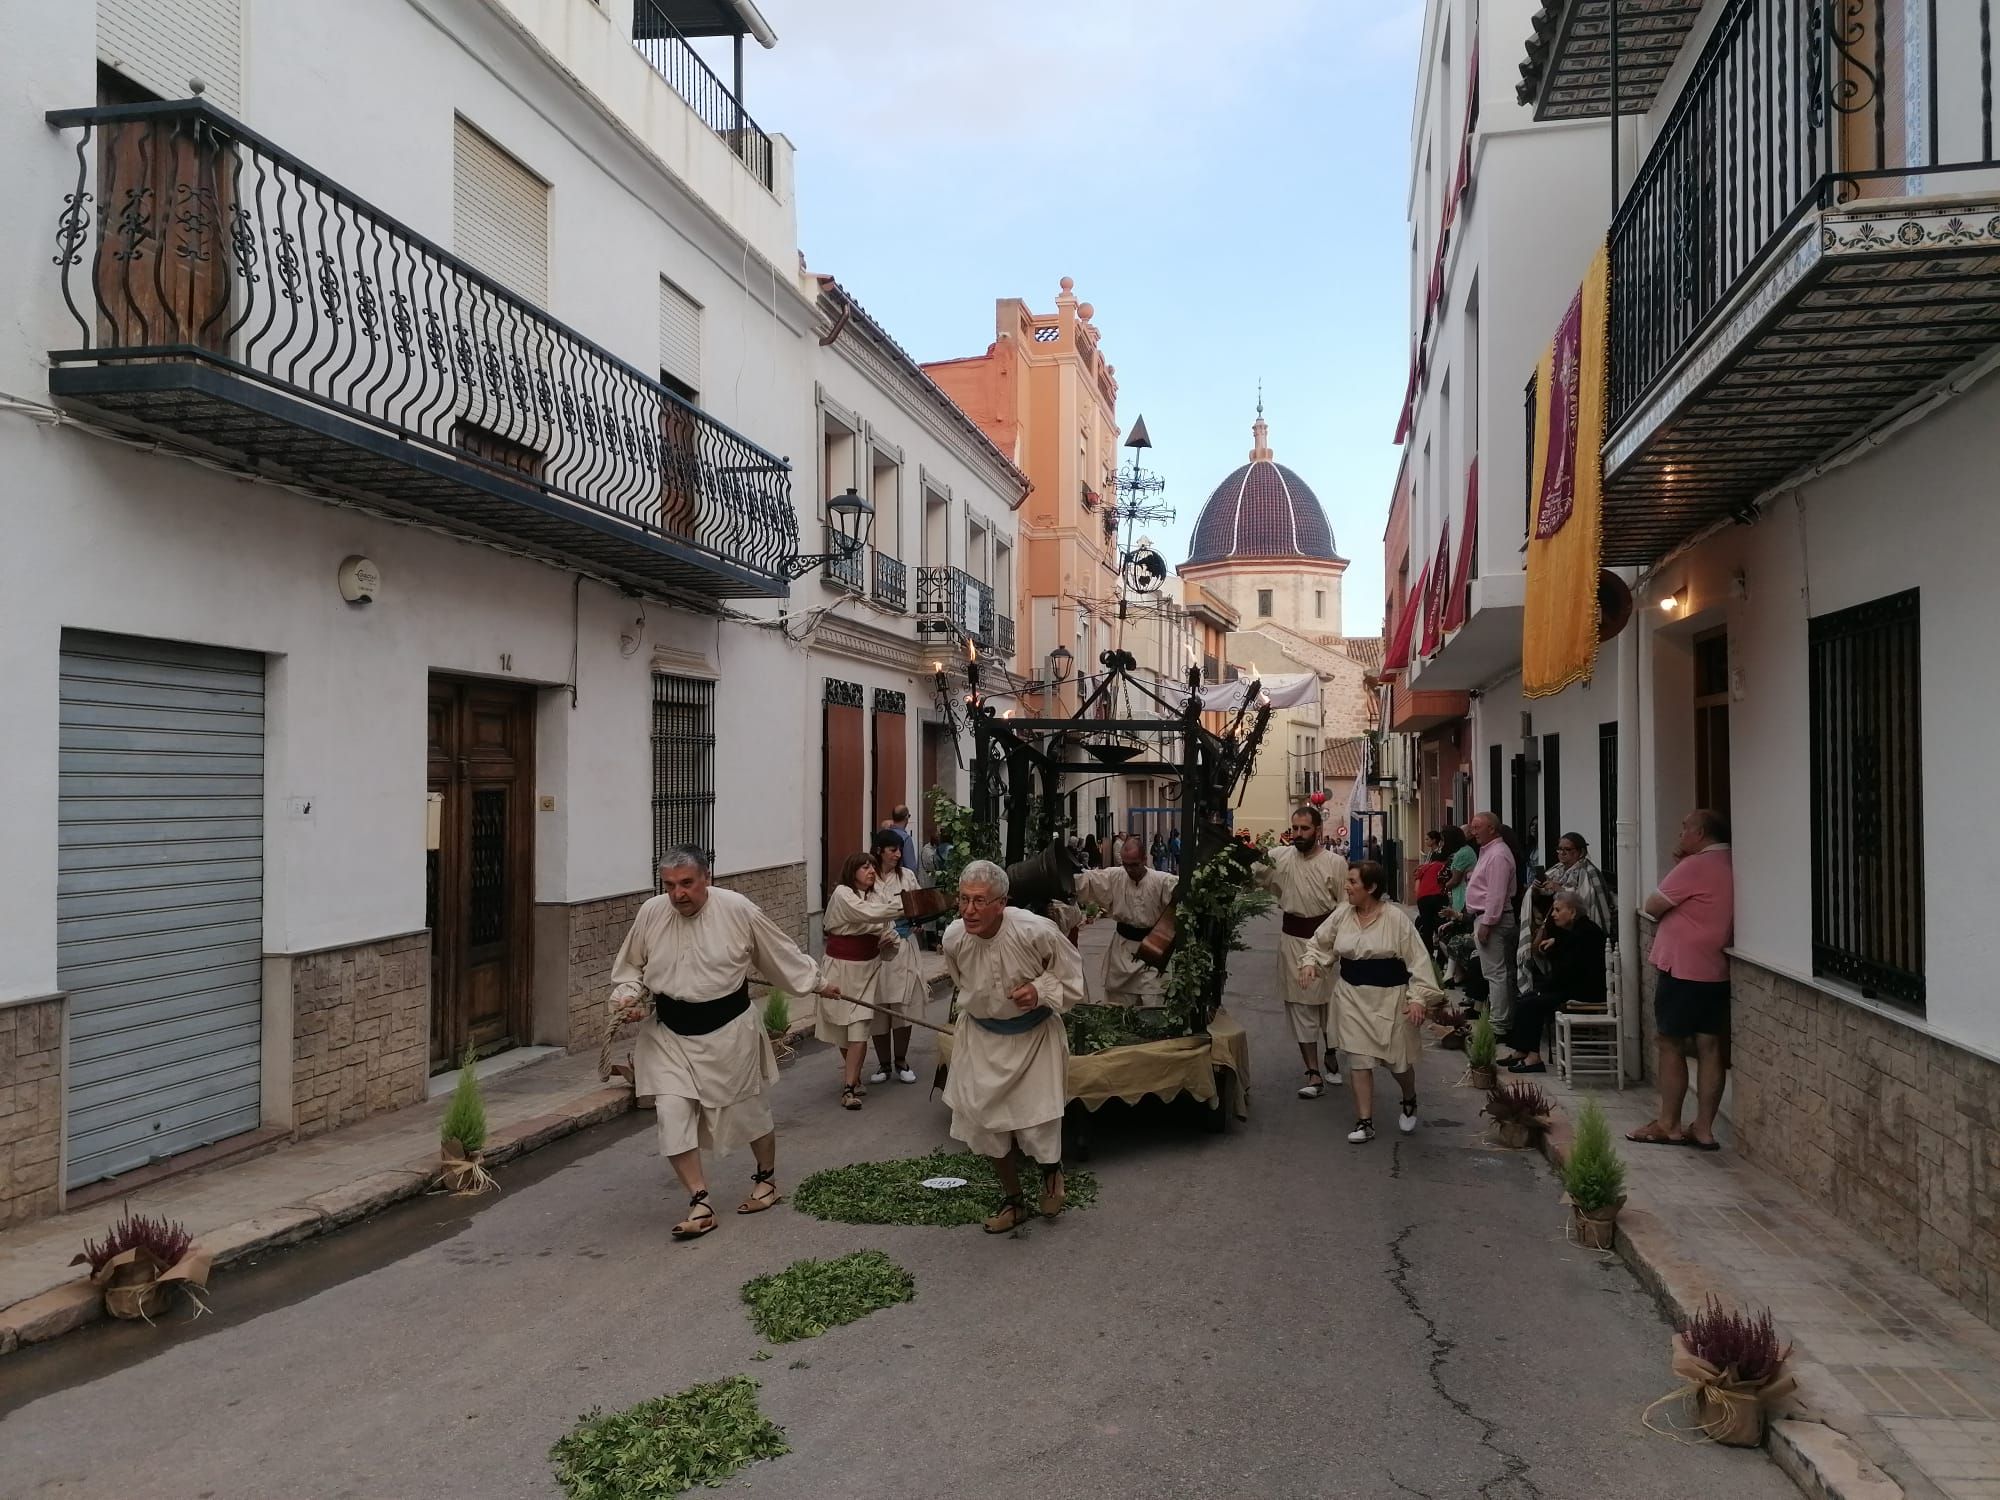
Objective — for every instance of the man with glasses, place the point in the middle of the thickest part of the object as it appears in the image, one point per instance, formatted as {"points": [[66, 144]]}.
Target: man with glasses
{"points": [[1014, 973]]}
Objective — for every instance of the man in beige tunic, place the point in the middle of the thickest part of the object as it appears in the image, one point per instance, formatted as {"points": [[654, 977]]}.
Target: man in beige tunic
{"points": [[1015, 974], [1136, 896], [702, 1054], [1309, 882]]}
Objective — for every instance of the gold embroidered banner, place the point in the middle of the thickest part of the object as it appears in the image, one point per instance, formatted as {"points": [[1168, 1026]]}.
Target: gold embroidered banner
{"points": [[1559, 623]]}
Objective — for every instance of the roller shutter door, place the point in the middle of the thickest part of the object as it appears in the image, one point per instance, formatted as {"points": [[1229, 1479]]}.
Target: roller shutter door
{"points": [[159, 905], [680, 335], [500, 215]]}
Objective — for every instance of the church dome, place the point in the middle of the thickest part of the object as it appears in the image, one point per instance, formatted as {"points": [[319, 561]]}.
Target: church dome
{"points": [[1263, 510]]}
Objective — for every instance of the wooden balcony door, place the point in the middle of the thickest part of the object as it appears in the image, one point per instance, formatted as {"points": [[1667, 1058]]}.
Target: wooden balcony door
{"points": [[482, 762]]}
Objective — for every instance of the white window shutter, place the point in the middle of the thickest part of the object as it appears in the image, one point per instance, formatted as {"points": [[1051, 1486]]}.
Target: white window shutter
{"points": [[500, 215], [163, 44], [680, 334]]}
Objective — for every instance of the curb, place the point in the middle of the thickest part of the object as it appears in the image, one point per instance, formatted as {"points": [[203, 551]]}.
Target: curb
{"points": [[75, 1304], [1825, 1463]]}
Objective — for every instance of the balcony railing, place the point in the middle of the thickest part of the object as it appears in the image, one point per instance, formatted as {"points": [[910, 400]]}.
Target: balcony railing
{"points": [[892, 583], [844, 571], [951, 602], [1793, 105], [668, 52], [227, 293], [1003, 636]]}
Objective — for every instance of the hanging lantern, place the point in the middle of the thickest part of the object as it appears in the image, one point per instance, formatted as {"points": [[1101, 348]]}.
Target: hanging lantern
{"points": [[1318, 799]]}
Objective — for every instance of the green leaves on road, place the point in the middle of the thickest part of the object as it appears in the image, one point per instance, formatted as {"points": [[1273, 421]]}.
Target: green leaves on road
{"points": [[810, 1296], [699, 1436], [892, 1192]]}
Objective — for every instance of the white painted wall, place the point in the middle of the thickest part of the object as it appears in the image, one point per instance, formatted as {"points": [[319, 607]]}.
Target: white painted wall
{"points": [[1834, 550]]}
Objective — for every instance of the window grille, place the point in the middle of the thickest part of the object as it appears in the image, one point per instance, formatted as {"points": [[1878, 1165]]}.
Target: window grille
{"points": [[1866, 733], [683, 764]]}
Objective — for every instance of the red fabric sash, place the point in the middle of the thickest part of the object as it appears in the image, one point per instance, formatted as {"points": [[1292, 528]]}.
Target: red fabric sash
{"points": [[853, 947]]}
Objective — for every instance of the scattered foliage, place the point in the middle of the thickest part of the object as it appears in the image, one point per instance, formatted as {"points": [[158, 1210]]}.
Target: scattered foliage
{"points": [[699, 1436], [1211, 905], [465, 1117], [1744, 1343], [810, 1296], [1594, 1175], [1092, 1028], [969, 839], [892, 1192], [1481, 1045], [778, 1013], [165, 1240], [1519, 1104]]}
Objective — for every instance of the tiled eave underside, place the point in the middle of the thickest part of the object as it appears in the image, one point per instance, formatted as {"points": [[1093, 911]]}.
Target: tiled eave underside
{"points": [[1866, 312], [1568, 77]]}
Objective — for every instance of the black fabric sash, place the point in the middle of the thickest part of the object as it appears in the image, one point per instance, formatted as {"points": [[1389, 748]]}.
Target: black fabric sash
{"points": [[1027, 1020], [700, 1017], [1301, 927], [1133, 934], [1382, 973]]}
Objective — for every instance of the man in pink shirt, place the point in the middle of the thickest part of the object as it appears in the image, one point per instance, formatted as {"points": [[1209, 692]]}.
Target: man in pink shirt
{"points": [[1696, 909], [1492, 892]]}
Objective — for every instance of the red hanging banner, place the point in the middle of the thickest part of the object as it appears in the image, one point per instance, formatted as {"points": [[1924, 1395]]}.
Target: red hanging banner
{"points": [[1456, 605], [1397, 657]]}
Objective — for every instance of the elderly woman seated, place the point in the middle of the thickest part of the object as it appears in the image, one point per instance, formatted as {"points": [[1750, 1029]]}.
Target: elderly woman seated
{"points": [[1572, 947]]}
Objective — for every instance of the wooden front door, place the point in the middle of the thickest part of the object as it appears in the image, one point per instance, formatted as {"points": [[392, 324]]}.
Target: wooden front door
{"points": [[482, 761]]}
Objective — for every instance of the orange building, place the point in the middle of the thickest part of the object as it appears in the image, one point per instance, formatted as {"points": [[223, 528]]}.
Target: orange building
{"points": [[1044, 394]]}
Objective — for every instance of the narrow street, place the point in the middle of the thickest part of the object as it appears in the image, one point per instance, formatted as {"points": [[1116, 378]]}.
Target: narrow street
{"points": [[1267, 1312]]}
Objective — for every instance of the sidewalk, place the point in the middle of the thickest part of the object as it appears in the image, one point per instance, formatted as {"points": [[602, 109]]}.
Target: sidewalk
{"points": [[1899, 1386], [241, 1207]]}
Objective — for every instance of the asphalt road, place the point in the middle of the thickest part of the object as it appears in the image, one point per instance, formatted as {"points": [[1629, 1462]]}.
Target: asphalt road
{"points": [[1267, 1313]]}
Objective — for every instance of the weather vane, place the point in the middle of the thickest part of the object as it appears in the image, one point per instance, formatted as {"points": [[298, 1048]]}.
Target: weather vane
{"points": [[1141, 568]]}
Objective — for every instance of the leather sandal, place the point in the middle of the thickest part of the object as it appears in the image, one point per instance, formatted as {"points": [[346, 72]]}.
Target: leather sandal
{"points": [[1055, 1191], [850, 1097], [759, 1198], [692, 1228], [1013, 1214]]}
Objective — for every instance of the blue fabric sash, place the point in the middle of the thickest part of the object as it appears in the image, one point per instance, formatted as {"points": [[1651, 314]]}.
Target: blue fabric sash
{"points": [[1027, 1020]]}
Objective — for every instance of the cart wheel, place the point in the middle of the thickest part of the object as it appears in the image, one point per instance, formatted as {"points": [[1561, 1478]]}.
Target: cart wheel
{"points": [[1225, 1102]]}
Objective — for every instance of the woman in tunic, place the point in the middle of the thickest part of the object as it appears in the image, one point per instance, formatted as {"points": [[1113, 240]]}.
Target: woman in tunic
{"points": [[860, 935], [1381, 992], [899, 984]]}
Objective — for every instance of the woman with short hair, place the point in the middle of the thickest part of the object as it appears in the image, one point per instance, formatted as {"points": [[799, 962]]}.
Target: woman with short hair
{"points": [[1382, 990], [860, 935], [1571, 950], [899, 982]]}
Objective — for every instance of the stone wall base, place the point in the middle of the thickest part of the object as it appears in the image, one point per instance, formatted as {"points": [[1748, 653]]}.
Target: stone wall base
{"points": [[1894, 1131], [31, 1110], [582, 940], [360, 1031], [780, 890]]}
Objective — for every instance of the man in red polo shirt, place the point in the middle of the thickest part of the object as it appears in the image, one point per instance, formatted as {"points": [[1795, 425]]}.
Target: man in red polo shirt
{"points": [[1696, 909]]}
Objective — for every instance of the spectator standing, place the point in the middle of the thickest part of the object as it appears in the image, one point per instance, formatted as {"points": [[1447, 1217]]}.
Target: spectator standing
{"points": [[1174, 852], [1490, 895], [1093, 857], [1696, 909], [1159, 851], [1430, 891], [899, 821]]}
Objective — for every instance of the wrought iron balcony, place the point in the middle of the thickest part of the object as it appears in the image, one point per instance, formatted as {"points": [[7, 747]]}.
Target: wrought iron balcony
{"points": [[846, 571], [892, 583], [1003, 635], [1805, 251], [231, 298], [952, 603], [720, 107]]}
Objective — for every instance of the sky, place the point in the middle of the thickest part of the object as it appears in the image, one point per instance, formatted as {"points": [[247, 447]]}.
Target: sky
{"points": [[1227, 188]]}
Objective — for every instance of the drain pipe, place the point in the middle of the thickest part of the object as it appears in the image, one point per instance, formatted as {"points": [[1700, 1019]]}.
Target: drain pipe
{"points": [[1631, 1040]]}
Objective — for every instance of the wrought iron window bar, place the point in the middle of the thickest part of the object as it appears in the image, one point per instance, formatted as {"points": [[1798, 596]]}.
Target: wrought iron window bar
{"points": [[952, 603], [670, 55], [844, 569], [1793, 106], [210, 272], [1003, 635]]}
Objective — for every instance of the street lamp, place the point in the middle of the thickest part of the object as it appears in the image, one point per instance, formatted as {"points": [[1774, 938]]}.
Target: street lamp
{"points": [[1060, 662], [848, 518]]}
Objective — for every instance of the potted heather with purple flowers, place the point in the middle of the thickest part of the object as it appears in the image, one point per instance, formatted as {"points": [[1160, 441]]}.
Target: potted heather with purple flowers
{"points": [[1521, 1111], [140, 1261], [1735, 1367]]}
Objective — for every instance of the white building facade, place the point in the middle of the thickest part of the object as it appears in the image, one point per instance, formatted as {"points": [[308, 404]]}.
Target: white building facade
{"points": [[413, 449]]}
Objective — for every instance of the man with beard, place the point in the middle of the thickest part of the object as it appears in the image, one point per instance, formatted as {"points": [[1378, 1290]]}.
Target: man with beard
{"points": [[1135, 897], [1309, 881]]}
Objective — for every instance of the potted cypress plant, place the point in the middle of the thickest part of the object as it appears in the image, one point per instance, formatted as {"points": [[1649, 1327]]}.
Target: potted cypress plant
{"points": [[1522, 1111], [1735, 1368], [462, 1135], [1481, 1046], [1594, 1180], [140, 1262]]}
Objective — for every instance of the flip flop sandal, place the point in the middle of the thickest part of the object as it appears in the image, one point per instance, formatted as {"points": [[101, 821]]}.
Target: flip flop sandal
{"points": [[692, 1228], [1650, 1135], [755, 1204], [1688, 1140]]}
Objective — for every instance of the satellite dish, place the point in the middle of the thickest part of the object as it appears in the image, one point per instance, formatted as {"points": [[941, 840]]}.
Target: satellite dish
{"points": [[1145, 571]]}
